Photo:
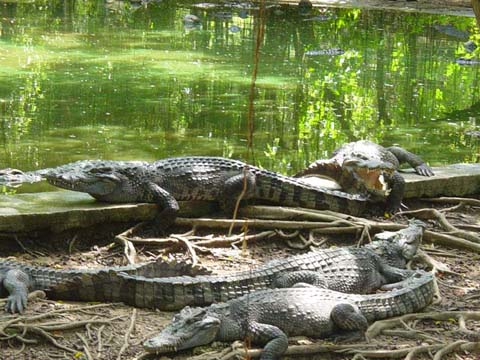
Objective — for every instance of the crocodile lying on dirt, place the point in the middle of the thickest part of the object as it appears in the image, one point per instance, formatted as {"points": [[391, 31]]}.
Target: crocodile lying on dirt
{"points": [[269, 317], [167, 181], [346, 269], [350, 269], [17, 279], [367, 168]]}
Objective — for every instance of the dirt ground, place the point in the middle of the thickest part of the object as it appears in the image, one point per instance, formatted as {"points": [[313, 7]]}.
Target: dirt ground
{"points": [[106, 338]]}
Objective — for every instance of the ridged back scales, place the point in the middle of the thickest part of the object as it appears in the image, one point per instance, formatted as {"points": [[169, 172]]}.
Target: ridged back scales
{"points": [[203, 178], [306, 311], [344, 269]]}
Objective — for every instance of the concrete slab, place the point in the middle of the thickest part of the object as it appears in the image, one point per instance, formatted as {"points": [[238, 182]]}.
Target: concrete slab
{"points": [[63, 210], [450, 180], [58, 211]]}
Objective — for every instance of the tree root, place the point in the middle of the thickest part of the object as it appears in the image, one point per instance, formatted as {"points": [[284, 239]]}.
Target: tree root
{"points": [[128, 247], [435, 265], [444, 223], [126, 341], [86, 348], [237, 350], [328, 228], [272, 219], [359, 351], [19, 327], [453, 200], [377, 327]]}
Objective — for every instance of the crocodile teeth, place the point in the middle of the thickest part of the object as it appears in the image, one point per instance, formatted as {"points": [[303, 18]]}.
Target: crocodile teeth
{"points": [[385, 187]]}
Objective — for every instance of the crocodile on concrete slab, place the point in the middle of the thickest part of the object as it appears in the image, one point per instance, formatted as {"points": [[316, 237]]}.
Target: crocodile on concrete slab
{"points": [[350, 269], [167, 181], [269, 317], [367, 168], [19, 278]]}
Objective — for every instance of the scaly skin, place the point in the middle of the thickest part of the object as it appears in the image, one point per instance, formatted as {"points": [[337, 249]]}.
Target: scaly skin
{"points": [[367, 168], [167, 181], [269, 317], [349, 270], [156, 285], [83, 284], [14, 177]]}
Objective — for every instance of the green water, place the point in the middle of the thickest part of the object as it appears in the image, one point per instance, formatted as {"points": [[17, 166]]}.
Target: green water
{"points": [[81, 81]]}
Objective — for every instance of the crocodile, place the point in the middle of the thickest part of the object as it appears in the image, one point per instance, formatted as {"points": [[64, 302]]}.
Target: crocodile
{"points": [[348, 269], [345, 269], [167, 181], [367, 168], [269, 317], [17, 279]]}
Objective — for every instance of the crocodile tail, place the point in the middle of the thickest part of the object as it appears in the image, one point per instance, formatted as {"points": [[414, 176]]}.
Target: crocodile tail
{"points": [[112, 285], [290, 191], [174, 293], [325, 167], [417, 292]]}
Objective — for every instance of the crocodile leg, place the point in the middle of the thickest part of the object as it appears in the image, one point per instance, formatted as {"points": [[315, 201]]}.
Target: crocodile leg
{"points": [[394, 277], [166, 202], [348, 317], [413, 160], [17, 283], [275, 339], [234, 187], [301, 276]]}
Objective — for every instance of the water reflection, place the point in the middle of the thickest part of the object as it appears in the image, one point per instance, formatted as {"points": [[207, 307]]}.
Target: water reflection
{"points": [[83, 80]]}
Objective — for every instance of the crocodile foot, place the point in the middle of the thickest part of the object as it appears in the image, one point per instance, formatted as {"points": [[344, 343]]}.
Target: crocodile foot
{"points": [[16, 303]]}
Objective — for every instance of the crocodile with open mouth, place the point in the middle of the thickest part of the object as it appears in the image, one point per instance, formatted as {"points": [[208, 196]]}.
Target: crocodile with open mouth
{"points": [[364, 167]]}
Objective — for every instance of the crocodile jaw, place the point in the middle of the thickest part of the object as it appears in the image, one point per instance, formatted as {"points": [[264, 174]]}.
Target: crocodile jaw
{"points": [[81, 182], [374, 180], [369, 176], [190, 328]]}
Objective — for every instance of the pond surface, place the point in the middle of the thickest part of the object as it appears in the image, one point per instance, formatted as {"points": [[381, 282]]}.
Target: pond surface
{"points": [[85, 80]]}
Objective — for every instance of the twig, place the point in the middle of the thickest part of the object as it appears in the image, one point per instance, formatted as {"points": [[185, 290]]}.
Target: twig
{"points": [[50, 338], [189, 246], [239, 198], [127, 334], [434, 264], [377, 327], [451, 241], [450, 200], [237, 349], [99, 339], [449, 348], [441, 218], [72, 243], [86, 348], [17, 240], [259, 224], [318, 227], [128, 247]]}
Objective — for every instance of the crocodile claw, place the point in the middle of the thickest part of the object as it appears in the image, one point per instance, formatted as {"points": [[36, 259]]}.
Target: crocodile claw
{"points": [[16, 303], [424, 170]]}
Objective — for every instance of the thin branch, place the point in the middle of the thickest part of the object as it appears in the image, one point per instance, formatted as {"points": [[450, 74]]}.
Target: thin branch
{"points": [[126, 341]]}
